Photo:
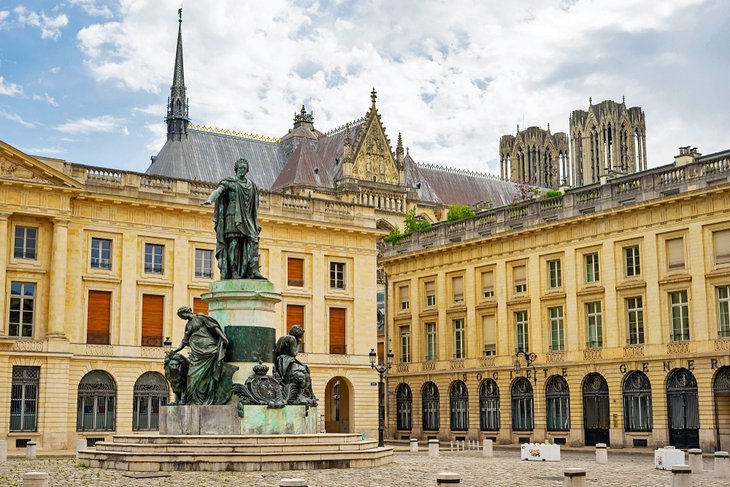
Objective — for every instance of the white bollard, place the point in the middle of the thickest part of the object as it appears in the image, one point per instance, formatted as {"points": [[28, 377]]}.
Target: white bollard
{"points": [[35, 479], [574, 477], [433, 448], [681, 476], [3, 451], [722, 465], [601, 453], [451, 445], [443, 478], [414, 445], [30, 450], [695, 460], [487, 449], [292, 483]]}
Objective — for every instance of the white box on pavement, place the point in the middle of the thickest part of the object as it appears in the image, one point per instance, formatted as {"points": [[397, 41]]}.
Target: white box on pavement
{"points": [[666, 458], [540, 452]]}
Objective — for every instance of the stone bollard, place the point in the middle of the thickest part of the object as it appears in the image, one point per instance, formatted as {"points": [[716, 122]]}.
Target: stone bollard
{"points": [[574, 477], [487, 450], [443, 478], [414, 445], [601, 453], [681, 476], [35, 479], [695, 460], [451, 445], [30, 450], [292, 483], [80, 445], [433, 448], [3, 451], [722, 465]]}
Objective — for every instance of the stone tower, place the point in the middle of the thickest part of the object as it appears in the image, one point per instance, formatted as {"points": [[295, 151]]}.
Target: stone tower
{"points": [[177, 105], [606, 140], [534, 156]]}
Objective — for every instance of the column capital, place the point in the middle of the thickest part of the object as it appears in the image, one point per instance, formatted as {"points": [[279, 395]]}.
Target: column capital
{"points": [[4, 215], [61, 220]]}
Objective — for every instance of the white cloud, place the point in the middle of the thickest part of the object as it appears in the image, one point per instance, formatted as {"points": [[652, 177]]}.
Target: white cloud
{"points": [[9, 89], [47, 98], [55, 70], [158, 136], [100, 124], [14, 117], [153, 109], [49, 26], [47, 151], [3, 15], [93, 8]]}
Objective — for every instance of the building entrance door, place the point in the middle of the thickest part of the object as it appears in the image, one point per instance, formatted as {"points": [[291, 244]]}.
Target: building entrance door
{"points": [[337, 406], [684, 416], [721, 388], [596, 414]]}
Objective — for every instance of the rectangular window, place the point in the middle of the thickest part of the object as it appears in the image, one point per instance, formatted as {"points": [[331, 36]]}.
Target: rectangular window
{"points": [[152, 314], [489, 330], [204, 263], [632, 261], [24, 398], [555, 278], [295, 316], [721, 241], [101, 253], [430, 294], [405, 343], [635, 320], [337, 331], [520, 277], [403, 298], [153, 258], [675, 254], [26, 241], [22, 306], [594, 322], [557, 335], [337, 275], [487, 284], [522, 336], [457, 289], [679, 310], [98, 317], [200, 306], [431, 352], [459, 337], [295, 272], [723, 310], [591, 265]]}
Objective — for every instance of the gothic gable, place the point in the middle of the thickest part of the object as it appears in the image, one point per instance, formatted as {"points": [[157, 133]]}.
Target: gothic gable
{"points": [[373, 158], [16, 165]]}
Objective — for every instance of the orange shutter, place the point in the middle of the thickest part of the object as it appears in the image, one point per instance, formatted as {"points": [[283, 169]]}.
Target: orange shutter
{"points": [[152, 313], [295, 272], [337, 330], [200, 306], [98, 317], [295, 316]]}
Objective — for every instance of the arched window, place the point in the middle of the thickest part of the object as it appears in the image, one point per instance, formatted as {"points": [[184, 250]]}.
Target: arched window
{"points": [[430, 407], [150, 392], [489, 406], [683, 409], [459, 402], [522, 411], [404, 407], [557, 400], [96, 401], [637, 402]]}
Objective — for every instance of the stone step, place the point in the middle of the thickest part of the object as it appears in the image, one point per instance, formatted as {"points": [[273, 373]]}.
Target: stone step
{"points": [[238, 439], [191, 447]]}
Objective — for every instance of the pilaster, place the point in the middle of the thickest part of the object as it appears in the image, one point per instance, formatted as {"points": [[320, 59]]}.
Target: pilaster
{"points": [[4, 239], [57, 294]]}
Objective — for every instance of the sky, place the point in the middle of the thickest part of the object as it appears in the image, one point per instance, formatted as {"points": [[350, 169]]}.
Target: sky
{"points": [[87, 80]]}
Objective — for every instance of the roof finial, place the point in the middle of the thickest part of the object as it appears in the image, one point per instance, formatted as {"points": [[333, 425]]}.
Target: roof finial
{"points": [[590, 100], [623, 99], [179, 15], [373, 96], [548, 126]]}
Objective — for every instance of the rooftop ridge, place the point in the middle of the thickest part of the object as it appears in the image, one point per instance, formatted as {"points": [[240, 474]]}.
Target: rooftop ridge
{"points": [[456, 170], [236, 133], [342, 127]]}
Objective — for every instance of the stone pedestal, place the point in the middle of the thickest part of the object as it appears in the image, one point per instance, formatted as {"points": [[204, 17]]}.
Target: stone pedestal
{"points": [[224, 420], [31, 450], [245, 310], [695, 460], [35, 479], [722, 465], [433, 448], [414, 445], [487, 448], [681, 476], [601, 453], [574, 477]]}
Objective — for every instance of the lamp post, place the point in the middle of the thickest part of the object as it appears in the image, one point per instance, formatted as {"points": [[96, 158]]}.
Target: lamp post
{"points": [[167, 344], [529, 359], [381, 369]]}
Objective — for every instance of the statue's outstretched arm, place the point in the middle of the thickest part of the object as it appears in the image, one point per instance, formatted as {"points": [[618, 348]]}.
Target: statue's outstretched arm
{"points": [[214, 195]]}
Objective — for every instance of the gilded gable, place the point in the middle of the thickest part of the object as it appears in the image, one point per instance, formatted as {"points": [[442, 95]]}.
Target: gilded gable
{"points": [[374, 159]]}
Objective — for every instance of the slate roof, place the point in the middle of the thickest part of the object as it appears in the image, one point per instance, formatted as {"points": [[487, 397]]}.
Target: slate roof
{"points": [[467, 187]]}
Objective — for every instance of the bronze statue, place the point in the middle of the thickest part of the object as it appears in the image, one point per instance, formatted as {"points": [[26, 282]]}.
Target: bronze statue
{"points": [[293, 374], [236, 231], [209, 379]]}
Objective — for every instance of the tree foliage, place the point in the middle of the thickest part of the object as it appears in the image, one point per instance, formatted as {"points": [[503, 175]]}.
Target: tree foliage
{"points": [[459, 212], [411, 223]]}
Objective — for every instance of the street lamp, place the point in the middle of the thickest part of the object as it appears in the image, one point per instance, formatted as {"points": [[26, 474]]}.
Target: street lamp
{"points": [[167, 344], [529, 359], [381, 369]]}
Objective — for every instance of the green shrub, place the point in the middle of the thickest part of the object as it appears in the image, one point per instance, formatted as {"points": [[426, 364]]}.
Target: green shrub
{"points": [[459, 212]]}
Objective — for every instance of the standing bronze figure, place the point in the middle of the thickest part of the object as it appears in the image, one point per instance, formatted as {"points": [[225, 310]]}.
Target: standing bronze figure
{"points": [[236, 231]]}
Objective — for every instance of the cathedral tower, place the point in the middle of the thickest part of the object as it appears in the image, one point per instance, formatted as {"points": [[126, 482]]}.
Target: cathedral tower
{"points": [[534, 156], [177, 104]]}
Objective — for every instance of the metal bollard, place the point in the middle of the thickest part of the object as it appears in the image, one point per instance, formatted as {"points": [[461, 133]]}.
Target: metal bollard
{"points": [[31, 450], [601, 453], [414, 445], [681, 476], [443, 478], [433, 448], [35, 479], [487, 450], [722, 465], [3, 451], [292, 483], [574, 477], [695, 460]]}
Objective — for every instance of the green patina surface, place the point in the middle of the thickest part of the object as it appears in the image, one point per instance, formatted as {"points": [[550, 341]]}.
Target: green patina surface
{"points": [[292, 420], [246, 285], [250, 344]]}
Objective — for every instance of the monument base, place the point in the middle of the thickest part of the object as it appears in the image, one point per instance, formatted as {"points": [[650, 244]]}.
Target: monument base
{"points": [[224, 420]]}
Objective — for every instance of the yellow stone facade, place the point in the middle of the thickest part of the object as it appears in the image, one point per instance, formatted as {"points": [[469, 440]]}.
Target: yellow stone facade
{"points": [[490, 272], [69, 204]]}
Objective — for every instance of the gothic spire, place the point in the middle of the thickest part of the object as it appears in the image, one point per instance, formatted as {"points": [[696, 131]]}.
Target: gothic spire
{"points": [[177, 105]]}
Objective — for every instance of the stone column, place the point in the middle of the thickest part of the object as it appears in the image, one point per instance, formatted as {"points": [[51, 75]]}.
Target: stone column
{"points": [[5, 237], [601, 453], [414, 445], [722, 464], [574, 477], [487, 449], [444, 478], [57, 294], [681, 476], [695, 460], [35, 479], [433, 448]]}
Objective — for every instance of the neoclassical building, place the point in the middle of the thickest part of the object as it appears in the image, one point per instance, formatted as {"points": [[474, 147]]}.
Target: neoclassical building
{"points": [[601, 315]]}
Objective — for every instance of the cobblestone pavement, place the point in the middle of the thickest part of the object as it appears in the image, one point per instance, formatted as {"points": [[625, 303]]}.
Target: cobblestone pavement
{"points": [[417, 470]]}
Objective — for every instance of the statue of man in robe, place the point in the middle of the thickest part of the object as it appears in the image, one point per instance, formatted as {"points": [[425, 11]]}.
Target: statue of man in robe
{"points": [[293, 374], [236, 207]]}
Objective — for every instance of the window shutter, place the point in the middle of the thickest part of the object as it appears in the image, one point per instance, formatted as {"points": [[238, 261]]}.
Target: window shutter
{"points": [[199, 306], [98, 317], [152, 313], [295, 272], [675, 253], [520, 275], [430, 288], [490, 330], [722, 246], [295, 316], [337, 330], [487, 284], [457, 284]]}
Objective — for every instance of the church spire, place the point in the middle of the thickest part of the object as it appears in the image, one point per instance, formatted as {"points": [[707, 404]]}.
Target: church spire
{"points": [[177, 105]]}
